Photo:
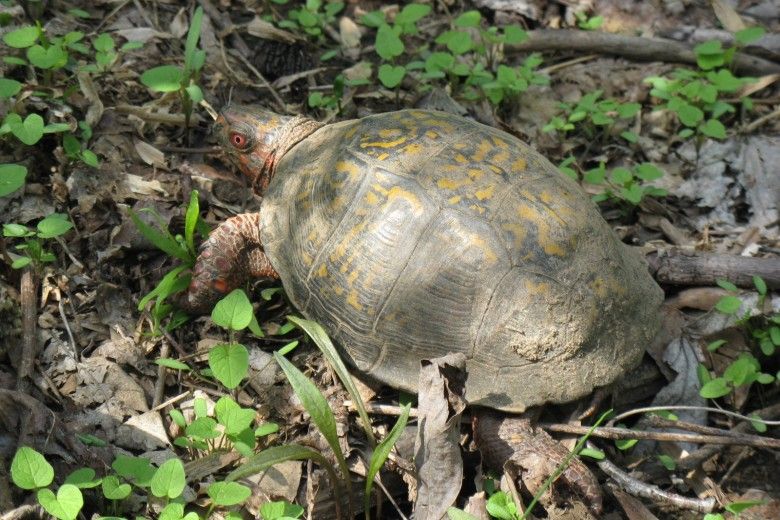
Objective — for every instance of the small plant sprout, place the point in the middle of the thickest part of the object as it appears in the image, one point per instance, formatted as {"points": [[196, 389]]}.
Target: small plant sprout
{"points": [[183, 80], [33, 246], [625, 185]]}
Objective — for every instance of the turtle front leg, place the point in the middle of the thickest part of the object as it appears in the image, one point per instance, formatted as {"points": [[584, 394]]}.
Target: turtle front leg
{"points": [[232, 255], [511, 439]]}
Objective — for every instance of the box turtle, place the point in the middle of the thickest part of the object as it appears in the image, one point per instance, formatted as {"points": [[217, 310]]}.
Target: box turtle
{"points": [[408, 235]]}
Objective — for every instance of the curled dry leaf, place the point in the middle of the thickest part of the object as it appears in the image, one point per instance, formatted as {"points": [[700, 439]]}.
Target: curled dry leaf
{"points": [[149, 154]]}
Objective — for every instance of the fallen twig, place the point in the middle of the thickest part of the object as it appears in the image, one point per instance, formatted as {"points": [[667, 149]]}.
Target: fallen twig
{"points": [[632, 47]]}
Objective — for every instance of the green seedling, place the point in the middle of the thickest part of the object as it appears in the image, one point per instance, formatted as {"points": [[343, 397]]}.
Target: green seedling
{"points": [[176, 280], [696, 97], [182, 80], [588, 23], [12, 178], [312, 18], [624, 185], [33, 246], [595, 117]]}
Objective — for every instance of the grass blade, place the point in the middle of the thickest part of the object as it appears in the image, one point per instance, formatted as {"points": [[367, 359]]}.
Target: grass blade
{"points": [[381, 453]]}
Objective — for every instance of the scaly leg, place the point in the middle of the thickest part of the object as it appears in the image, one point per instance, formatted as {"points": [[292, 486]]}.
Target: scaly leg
{"points": [[232, 255]]}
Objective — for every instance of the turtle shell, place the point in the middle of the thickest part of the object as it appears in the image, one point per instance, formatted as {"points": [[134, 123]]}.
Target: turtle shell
{"points": [[413, 234]]}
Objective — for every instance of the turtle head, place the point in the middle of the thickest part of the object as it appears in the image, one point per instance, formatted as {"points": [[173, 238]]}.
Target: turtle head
{"points": [[254, 140]]}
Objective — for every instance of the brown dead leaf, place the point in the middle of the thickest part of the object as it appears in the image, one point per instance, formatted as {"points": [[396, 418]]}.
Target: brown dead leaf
{"points": [[149, 154], [634, 508], [143, 432], [350, 37], [728, 17], [95, 110], [180, 24], [437, 451], [267, 31]]}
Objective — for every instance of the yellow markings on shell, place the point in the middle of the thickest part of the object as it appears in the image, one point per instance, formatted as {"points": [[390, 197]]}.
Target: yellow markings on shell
{"points": [[452, 184], [603, 288], [475, 173], [461, 158], [518, 231], [387, 133], [430, 134], [541, 288], [352, 299], [482, 150], [351, 132], [519, 165], [348, 167], [307, 259], [455, 199], [412, 149], [371, 198], [459, 146], [500, 142], [501, 156], [485, 193], [379, 188], [338, 290], [382, 156], [397, 192], [478, 209], [322, 271], [385, 144], [545, 197], [479, 242], [543, 238]]}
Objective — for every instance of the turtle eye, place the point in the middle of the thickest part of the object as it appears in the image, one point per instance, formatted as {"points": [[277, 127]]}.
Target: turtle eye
{"points": [[239, 140]]}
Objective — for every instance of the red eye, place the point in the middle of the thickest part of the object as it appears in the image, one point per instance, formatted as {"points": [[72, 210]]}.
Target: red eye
{"points": [[238, 140]]}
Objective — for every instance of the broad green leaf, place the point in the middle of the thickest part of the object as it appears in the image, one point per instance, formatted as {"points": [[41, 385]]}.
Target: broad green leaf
{"points": [[12, 178], [83, 478], [30, 470], [713, 128], [748, 35], [137, 469], [728, 305], [275, 455], [648, 172], [229, 363], [203, 428], [758, 282], [30, 130], [230, 415], [169, 479], [173, 364], [391, 76], [113, 489], [514, 34], [52, 58], [726, 285], [739, 507], [228, 494], [22, 38], [388, 45], [668, 462], [454, 513], [468, 19], [411, 13], [234, 311], [165, 78], [190, 220], [65, 505], [9, 88], [715, 388], [280, 510], [161, 238], [54, 225]]}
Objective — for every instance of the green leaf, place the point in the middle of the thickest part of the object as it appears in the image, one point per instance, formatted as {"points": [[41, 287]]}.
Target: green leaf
{"points": [[234, 311], [748, 35], [742, 371], [621, 176], [726, 285], [514, 34], [713, 128], [195, 93], [316, 405], [758, 282], [757, 423], [162, 239], [138, 469], [715, 345], [103, 43], [453, 513], [689, 115], [388, 45], [593, 454], [172, 364], [715, 388], [22, 38], [500, 505], [113, 489], [54, 225], [193, 36], [280, 510], [648, 172], [668, 462], [373, 19], [315, 331], [65, 505], [234, 418], [203, 428], [229, 363], [169, 479], [728, 305], [468, 19], [83, 478], [30, 470], [382, 451], [459, 42], [29, 131], [391, 76], [12, 178], [228, 494], [275, 455], [9, 88], [410, 14], [165, 78], [625, 444], [52, 58], [739, 507], [633, 193], [266, 429]]}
